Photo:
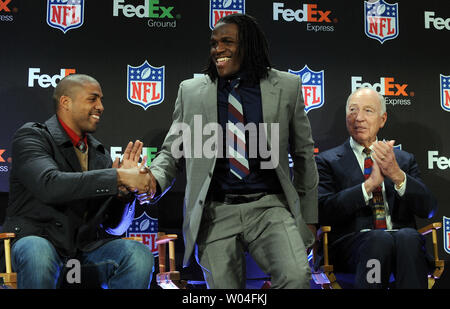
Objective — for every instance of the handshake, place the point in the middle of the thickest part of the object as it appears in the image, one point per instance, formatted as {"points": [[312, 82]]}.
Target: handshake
{"points": [[135, 177]]}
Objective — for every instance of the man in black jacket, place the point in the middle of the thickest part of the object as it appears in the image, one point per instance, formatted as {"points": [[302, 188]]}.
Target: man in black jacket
{"points": [[68, 200]]}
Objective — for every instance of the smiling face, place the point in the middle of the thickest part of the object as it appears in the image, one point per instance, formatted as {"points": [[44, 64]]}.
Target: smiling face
{"points": [[82, 108], [225, 49], [364, 116]]}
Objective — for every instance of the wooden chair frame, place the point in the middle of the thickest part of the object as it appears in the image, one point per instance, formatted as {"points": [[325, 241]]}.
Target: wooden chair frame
{"points": [[9, 278], [326, 278], [170, 279]]}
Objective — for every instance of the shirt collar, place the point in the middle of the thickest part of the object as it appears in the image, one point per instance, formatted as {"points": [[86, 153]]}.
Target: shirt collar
{"points": [[243, 76], [356, 147], [74, 138]]}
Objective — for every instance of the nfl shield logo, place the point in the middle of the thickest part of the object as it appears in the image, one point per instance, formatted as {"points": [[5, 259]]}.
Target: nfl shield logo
{"points": [[65, 14], [381, 20], [147, 228], [446, 223], [221, 8], [312, 87], [445, 92], [145, 85]]}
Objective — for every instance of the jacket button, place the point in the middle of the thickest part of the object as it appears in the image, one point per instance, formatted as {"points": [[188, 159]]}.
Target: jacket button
{"points": [[17, 229]]}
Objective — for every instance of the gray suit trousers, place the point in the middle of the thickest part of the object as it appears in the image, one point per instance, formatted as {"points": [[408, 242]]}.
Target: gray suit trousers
{"points": [[266, 229]]}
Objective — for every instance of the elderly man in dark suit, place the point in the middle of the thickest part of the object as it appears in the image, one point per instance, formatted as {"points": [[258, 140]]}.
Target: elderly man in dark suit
{"points": [[69, 201], [370, 193]]}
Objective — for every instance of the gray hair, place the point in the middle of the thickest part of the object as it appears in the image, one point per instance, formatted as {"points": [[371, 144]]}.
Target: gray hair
{"points": [[380, 98]]}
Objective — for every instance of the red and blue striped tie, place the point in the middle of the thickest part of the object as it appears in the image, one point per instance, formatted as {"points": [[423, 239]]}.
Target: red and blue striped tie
{"points": [[379, 212], [237, 151]]}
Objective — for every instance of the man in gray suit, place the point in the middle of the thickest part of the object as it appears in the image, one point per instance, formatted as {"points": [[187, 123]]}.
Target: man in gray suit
{"points": [[240, 199]]}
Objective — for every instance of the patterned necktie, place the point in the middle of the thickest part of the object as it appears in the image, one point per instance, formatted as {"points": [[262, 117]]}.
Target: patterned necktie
{"points": [[379, 213], [81, 145], [237, 152]]}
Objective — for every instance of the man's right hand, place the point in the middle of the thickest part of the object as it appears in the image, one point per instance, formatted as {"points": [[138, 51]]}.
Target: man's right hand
{"points": [[375, 179], [137, 179]]}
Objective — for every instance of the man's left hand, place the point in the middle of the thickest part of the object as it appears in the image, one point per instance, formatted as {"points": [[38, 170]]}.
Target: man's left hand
{"points": [[385, 158], [130, 159]]}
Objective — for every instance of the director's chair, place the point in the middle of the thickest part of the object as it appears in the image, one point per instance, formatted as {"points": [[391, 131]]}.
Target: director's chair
{"points": [[327, 279], [8, 279]]}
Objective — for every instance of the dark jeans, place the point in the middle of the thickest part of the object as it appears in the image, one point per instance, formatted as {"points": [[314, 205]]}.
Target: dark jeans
{"points": [[120, 264]]}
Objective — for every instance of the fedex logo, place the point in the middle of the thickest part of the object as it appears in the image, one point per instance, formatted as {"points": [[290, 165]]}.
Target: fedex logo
{"points": [[4, 5], [45, 80], [438, 22], [386, 87], [441, 162], [150, 152], [308, 13], [150, 8]]}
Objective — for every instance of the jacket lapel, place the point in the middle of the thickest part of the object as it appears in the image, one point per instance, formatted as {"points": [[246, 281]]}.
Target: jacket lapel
{"points": [[270, 97], [63, 142], [270, 100], [350, 165], [208, 93], [97, 154]]}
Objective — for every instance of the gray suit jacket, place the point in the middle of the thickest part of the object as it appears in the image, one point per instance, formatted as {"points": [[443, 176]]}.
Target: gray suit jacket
{"points": [[282, 103]]}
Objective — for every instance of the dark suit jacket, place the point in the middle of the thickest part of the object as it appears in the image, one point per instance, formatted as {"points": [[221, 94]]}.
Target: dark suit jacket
{"points": [[341, 200], [51, 197]]}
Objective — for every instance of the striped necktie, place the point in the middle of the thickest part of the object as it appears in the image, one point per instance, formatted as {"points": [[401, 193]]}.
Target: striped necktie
{"points": [[237, 152], [379, 213]]}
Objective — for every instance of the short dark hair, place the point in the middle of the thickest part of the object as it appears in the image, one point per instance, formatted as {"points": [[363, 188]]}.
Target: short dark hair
{"points": [[66, 86], [253, 48]]}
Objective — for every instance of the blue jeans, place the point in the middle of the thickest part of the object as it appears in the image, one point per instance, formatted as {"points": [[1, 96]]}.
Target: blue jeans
{"points": [[118, 264]]}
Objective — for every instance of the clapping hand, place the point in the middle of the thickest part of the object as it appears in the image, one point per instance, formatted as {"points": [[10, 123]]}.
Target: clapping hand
{"points": [[385, 158], [130, 159]]}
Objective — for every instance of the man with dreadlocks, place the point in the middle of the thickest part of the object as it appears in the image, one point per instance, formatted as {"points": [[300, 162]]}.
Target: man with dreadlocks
{"points": [[240, 199]]}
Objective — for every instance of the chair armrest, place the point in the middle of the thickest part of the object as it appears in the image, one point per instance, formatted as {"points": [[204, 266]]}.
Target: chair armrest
{"points": [[7, 238], [165, 238], [438, 264], [323, 229], [7, 235], [430, 227], [322, 234]]}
